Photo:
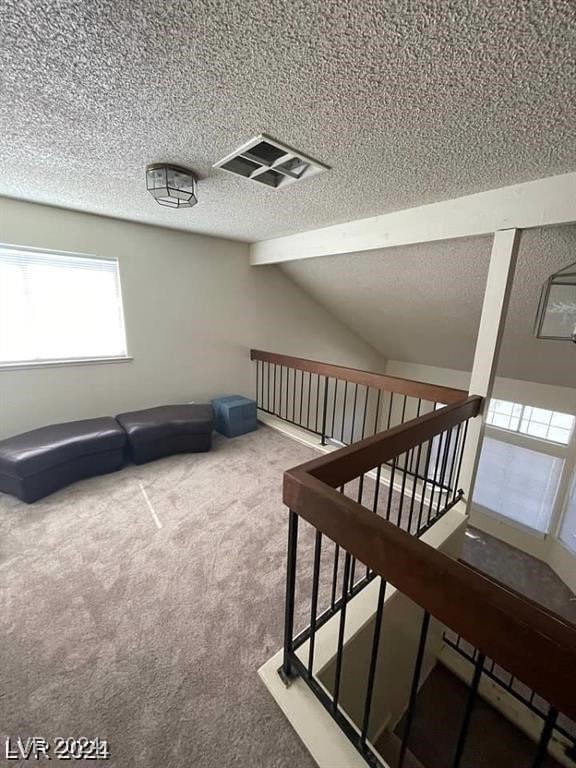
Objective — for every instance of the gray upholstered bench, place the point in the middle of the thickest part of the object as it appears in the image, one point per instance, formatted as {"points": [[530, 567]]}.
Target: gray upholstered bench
{"points": [[39, 462], [167, 429]]}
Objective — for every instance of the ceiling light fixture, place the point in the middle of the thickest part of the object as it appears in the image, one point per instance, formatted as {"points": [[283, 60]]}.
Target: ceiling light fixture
{"points": [[556, 318], [171, 185]]}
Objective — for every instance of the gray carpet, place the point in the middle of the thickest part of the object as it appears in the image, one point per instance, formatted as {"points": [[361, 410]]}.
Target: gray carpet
{"points": [[151, 637]]}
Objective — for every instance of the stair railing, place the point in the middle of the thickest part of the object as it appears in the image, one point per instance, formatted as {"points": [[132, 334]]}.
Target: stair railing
{"points": [[530, 642]]}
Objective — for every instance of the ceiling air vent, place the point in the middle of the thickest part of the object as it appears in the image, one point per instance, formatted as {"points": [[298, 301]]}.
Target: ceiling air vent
{"points": [[268, 162]]}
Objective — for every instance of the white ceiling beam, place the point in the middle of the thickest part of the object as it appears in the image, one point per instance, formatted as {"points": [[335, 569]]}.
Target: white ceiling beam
{"points": [[539, 203]]}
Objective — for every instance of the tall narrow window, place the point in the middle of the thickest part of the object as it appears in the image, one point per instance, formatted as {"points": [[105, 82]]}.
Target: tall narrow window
{"points": [[517, 483], [568, 529], [521, 462], [58, 306]]}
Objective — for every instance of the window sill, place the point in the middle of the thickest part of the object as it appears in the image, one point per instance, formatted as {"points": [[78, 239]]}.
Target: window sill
{"points": [[510, 521], [64, 363]]}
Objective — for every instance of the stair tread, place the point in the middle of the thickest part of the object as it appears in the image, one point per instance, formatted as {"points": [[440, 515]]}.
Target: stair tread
{"points": [[493, 741], [388, 746]]}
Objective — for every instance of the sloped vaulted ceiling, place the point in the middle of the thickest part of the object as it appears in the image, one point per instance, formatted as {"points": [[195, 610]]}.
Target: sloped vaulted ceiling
{"points": [[422, 303]]}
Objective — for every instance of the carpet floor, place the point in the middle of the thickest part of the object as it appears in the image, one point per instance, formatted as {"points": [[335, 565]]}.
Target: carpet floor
{"points": [[138, 606]]}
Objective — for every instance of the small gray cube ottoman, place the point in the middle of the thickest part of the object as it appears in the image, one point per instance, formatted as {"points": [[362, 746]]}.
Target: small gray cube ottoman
{"points": [[235, 415]]}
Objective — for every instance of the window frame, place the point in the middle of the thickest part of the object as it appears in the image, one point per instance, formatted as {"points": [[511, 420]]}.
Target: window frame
{"points": [[564, 451], [522, 417], [71, 361]]}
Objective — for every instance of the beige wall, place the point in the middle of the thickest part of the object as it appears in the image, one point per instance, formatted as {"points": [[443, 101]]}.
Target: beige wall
{"points": [[527, 392], [193, 308]]}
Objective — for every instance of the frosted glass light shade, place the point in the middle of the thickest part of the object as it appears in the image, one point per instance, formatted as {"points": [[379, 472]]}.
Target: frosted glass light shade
{"points": [[171, 186], [556, 317]]}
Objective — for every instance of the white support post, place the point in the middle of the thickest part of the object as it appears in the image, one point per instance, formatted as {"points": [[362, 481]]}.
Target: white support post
{"points": [[494, 310]]}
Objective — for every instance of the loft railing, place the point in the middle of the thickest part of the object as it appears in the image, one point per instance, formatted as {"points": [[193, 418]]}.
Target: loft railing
{"points": [[349, 542], [563, 726], [338, 403]]}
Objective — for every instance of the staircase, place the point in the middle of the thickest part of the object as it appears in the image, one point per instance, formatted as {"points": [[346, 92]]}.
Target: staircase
{"points": [[370, 596], [493, 741]]}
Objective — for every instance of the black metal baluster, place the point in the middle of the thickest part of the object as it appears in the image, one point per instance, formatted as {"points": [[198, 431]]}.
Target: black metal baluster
{"points": [[333, 430], [391, 488], [294, 398], [443, 471], [375, 501], [344, 411], [365, 412], [377, 412], [354, 413], [414, 688], [410, 514], [301, 397], [403, 410], [545, 737], [287, 391], [342, 627], [335, 568], [281, 390], [453, 462], [377, 488], [317, 410], [257, 383], [274, 397], [268, 388], [373, 662], [471, 700], [262, 384], [324, 410], [457, 481], [390, 410], [359, 500], [308, 405], [425, 482], [290, 594], [314, 600], [403, 488], [418, 408], [438, 460], [335, 575]]}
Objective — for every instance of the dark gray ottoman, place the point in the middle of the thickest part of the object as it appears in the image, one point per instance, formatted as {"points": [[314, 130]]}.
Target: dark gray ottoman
{"points": [[37, 463], [167, 429]]}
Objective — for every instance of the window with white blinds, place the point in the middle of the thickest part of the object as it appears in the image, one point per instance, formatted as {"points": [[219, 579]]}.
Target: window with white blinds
{"points": [[57, 306], [568, 528]]}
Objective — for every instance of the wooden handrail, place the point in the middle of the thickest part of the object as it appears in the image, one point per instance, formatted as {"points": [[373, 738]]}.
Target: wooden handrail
{"points": [[431, 392], [529, 641], [349, 463]]}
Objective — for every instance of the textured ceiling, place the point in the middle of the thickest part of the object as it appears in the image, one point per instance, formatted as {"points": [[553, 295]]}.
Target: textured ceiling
{"points": [[408, 102], [422, 303]]}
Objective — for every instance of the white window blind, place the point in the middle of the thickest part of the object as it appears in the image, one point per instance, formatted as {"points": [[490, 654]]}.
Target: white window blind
{"points": [[517, 483], [56, 306], [568, 529]]}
